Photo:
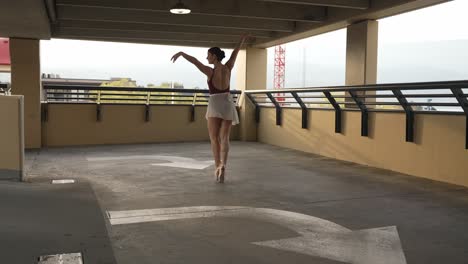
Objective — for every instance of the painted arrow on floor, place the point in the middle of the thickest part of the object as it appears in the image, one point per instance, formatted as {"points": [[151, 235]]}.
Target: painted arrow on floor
{"points": [[318, 237], [174, 161]]}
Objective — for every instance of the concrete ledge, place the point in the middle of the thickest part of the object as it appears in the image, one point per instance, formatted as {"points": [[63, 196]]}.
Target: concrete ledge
{"points": [[122, 124], [11, 137]]}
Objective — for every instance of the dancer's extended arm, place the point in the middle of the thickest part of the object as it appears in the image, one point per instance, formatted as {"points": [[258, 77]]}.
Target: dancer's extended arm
{"points": [[232, 59], [203, 68]]}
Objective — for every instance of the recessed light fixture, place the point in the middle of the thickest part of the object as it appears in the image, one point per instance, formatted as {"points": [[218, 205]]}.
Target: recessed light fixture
{"points": [[180, 9]]}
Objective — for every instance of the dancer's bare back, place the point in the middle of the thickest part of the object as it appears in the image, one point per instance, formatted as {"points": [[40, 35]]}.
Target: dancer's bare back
{"points": [[221, 77]]}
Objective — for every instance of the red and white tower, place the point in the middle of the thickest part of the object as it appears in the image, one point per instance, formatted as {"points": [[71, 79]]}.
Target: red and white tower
{"points": [[280, 66]]}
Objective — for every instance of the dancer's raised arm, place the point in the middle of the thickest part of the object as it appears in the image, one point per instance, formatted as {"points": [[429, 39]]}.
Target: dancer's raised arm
{"points": [[232, 59], [203, 68]]}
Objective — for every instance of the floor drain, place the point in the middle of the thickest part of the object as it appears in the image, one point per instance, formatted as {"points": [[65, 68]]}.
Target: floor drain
{"points": [[62, 181], [71, 258]]}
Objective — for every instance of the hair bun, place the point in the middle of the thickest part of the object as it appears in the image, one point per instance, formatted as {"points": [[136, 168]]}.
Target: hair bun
{"points": [[218, 52]]}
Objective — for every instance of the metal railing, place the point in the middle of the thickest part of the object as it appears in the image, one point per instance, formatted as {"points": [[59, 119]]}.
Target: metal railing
{"points": [[409, 98], [77, 94]]}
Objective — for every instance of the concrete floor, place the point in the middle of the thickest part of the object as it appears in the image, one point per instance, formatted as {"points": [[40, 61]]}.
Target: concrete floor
{"points": [[43, 219], [430, 218]]}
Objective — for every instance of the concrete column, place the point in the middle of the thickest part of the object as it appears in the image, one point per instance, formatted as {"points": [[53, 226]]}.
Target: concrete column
{"points": [[11, 138], [361, 53], [251, 75], [26, 81]]}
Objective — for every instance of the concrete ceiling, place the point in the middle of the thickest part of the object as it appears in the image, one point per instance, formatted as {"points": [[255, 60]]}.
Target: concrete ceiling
{"points": [[24, 19], [211, 23]]}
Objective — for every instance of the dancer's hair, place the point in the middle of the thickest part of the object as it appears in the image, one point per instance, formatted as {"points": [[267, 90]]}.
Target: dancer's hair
{"points": [[217, 52]]}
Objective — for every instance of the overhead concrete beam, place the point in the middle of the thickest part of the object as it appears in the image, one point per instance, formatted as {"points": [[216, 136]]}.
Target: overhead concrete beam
{"points": [[24, 19], [226, 8], [168, 42], [139, 35], [135, 27], [353, 4], [148, 17]]}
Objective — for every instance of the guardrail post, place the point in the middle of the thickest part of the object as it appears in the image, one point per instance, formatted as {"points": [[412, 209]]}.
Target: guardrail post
{"points": [[147, 107], [337, 111], [305, 112], [409, 114], [98, 107], [277, 107], [463, 101], [147, 113], [192, 108], [45, 112], [98, 112], [364, 114]]}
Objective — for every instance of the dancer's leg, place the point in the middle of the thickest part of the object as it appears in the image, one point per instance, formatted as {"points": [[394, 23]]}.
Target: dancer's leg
{"points": [[225, 132], [214, 125]]}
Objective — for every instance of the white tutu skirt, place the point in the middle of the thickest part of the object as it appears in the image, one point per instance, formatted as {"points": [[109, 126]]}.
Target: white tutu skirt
{"points": [[222, 106]]}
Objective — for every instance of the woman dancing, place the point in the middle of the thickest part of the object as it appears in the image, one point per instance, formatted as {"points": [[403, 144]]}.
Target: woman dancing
{"points": [[221, 113]]}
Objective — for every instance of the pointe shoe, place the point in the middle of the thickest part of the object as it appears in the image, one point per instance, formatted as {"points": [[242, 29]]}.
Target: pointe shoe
{"points": [[216, 173], [222, 170]]}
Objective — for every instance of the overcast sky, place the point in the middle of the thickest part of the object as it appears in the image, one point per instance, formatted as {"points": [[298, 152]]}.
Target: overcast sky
{"points": [[151, 63]]}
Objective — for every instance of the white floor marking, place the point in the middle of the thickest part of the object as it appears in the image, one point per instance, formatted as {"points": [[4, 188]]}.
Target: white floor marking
{"points": [[72, 258], [174, 161], [318, 237], [63, 181]]}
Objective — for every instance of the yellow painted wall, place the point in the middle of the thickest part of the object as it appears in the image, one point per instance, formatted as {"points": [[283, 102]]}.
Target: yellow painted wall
{"points": [[11, 137], [438, 152], [73, 124]]}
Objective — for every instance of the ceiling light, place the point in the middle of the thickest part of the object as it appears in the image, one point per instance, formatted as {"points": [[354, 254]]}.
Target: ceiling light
{"points": [[180, 9]]}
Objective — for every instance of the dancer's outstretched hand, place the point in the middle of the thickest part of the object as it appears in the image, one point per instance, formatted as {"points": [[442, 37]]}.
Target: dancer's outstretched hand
{"points": [[176, 56], [245, 37]]}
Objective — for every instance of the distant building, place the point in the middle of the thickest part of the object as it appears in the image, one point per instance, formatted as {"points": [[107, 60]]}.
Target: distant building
{"points": [[120, 82], [79, 95], [55, 79], [67, 95]]}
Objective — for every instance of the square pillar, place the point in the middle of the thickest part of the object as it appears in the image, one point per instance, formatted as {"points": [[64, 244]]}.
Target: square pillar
{"points": [[26, 81], [361, 54], [251, 75]]}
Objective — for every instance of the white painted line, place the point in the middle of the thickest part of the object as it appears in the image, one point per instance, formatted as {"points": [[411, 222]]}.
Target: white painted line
{"points": [[318, 237], [174, 161], [70, 258], [65, 181], [135, 157], [194, 165]]}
